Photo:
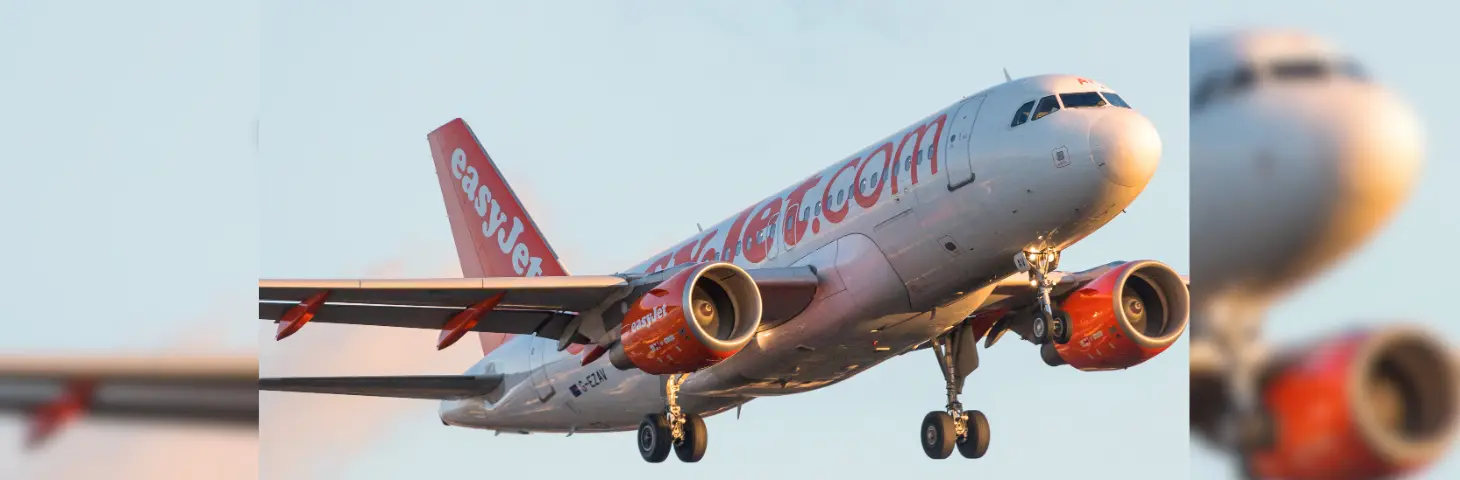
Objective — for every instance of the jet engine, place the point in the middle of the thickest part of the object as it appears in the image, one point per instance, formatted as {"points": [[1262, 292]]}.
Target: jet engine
{"points": [[696, 318], [1122, 318], [1369, 404]]}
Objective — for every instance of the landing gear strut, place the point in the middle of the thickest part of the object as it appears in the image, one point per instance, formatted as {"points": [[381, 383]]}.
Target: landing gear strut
{"points": [[1248, 428], [1050, 323], [967, 430], [683, 432]]}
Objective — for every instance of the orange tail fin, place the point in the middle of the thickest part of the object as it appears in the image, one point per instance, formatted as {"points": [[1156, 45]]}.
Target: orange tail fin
{"points": [[495, 237]]}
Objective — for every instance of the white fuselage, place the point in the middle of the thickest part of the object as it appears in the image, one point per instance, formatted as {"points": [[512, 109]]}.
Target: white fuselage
{"points": [[896, 268], [1296, 160]]}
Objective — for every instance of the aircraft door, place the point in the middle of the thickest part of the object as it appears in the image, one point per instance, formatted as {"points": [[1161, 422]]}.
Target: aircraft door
{"points": [[537, 360], [956, 158]]}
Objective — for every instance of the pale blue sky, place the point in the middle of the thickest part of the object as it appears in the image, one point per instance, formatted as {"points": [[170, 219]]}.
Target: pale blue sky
{"points": [[715, 106], [1395, 40]]}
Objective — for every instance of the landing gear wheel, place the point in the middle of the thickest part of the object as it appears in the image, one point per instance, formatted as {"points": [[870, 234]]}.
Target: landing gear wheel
{"points": [[691, 448], [1040, 329], [654, 438], [976, 442], [1060, 327], [937, 435]]}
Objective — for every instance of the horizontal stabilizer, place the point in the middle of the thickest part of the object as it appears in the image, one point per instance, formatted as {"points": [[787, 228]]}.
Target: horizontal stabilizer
{"points": [[431, 387]]}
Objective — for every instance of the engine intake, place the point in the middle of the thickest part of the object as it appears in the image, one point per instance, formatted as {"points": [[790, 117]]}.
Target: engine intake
{"points": [[1371, 404], [696, 318], [1123, 318]]}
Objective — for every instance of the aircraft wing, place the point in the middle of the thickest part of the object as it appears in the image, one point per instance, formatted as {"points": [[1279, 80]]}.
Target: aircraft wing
{"points": [[544, 306], [53, 391], [431, 387]]}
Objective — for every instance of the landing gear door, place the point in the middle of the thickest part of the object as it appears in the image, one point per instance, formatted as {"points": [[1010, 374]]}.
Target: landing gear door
{"points": [[537, 360], [956, 158]]}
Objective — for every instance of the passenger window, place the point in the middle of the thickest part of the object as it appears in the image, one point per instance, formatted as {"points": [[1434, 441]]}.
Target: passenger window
{"points": [[1115, 99], [1082, 100], [818, 208], [1022, 115], [1047, 105], [874, 180]]}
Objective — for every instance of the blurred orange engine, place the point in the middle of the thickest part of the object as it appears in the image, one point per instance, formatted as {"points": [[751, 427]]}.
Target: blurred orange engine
{"points": [[1371, 404], [694, 319], [1122, 318]]}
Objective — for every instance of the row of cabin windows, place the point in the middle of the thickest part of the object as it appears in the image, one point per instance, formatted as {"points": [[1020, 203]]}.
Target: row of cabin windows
{"points": [[809, 212], [1050, 104], [1246, 77]]}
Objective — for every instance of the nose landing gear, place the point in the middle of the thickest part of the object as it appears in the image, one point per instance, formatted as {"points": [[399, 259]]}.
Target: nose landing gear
{"points": [[683, 432], [1050, 323], [965, 430]]}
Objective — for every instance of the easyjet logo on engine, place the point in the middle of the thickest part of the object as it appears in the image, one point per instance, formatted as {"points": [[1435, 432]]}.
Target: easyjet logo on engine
{"points": [[658, 312], [494, 220]]}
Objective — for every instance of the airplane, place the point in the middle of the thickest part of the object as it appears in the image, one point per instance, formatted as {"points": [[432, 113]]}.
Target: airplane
{"points": [[1298, 158], [943, 234], [57, 391]]}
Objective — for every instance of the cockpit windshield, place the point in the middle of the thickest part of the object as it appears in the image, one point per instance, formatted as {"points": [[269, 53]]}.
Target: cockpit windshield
{"points": [[1115, 99], [1083, 100], [1290, 70], [1054, 103]]}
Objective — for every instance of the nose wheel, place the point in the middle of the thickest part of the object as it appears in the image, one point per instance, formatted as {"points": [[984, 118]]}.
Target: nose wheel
{"points": [[966, 431], [1050, 324], [684, 433]]}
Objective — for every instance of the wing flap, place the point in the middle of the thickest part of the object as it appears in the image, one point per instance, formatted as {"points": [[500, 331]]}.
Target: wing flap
{"points": [[430, 387]]}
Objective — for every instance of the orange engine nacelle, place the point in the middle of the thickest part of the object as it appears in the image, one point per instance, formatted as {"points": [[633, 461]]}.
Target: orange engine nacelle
{"points": [[1124, 317], [1372, 404], [694, 319]]}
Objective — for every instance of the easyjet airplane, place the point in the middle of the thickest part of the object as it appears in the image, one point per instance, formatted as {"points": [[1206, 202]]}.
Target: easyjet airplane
{"points": [[1297, 159], [57, 391], [943, 234]]}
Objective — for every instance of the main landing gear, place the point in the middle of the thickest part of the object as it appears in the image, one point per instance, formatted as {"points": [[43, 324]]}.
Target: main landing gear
{"points": [[1248, 427], [1050, 323], [673, 429], [965, 430]]}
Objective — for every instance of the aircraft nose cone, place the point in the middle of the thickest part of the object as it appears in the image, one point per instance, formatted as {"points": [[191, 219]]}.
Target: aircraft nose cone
{"points": [[1125, 147], [1377, 144]]}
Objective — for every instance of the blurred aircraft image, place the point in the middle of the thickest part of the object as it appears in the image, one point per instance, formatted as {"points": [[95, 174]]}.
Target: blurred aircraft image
{"points": [[939, 236], [1298, 159], [54, 392]]}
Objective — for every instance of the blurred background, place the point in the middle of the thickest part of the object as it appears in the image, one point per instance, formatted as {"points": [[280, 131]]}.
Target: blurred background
{"points": [[128, 207], [1322, 166]]}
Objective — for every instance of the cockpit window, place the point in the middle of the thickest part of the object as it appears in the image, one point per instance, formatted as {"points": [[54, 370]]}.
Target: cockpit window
{"points": [[1300, 70], [1022, 115], [1082, 100], [1352, 70], [1223, 84], [1115, 99], [1047, 105]]}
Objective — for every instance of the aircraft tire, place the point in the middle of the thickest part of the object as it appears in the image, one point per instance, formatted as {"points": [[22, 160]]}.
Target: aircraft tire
{"points": [[691, 448], [937, 435], [1040, 329], [1061, 328], [653, 438], [976, 443]]}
